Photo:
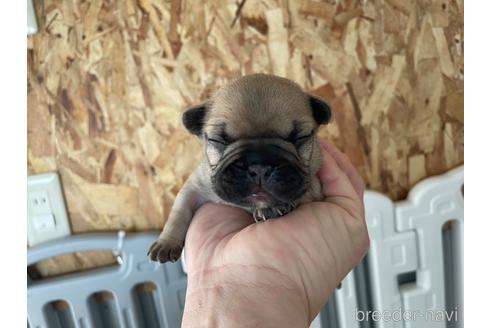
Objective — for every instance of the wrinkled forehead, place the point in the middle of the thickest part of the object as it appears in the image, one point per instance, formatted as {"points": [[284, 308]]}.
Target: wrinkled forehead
{"points": [[259, 110]]}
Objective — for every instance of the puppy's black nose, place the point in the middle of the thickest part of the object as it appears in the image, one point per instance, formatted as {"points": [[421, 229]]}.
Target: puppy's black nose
{"points": [[258, 172]]}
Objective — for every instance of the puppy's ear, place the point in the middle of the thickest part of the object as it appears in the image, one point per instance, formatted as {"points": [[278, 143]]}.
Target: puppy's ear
{"points": [[321, 110], [194, 119]]}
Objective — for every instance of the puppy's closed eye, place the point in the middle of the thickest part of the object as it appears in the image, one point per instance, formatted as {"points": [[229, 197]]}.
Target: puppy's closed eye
{"points": [[299, 138], [217, 141]]}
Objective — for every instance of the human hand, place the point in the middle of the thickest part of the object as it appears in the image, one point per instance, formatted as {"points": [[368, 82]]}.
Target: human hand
{"points": [[277, 273]]}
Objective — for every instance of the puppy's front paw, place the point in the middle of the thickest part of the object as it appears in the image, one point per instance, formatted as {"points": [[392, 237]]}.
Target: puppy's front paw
{"points": [[164, 250]]}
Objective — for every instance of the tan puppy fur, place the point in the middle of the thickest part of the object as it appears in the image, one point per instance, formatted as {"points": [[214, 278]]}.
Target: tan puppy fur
{"points": [[260, 153]]}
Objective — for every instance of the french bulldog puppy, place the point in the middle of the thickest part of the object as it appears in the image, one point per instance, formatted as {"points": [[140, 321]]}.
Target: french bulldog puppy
{"points": [[261, 154]]}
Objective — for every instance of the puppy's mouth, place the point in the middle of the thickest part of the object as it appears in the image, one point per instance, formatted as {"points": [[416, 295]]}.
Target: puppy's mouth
{"points": [[264, 205], [260, 198]]}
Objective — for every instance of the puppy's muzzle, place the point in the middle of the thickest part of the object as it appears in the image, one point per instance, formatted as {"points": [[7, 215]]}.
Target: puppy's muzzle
{"points": [[260, 168]]}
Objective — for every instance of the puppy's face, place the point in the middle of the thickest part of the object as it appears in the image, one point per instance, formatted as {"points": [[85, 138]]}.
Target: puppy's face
{"points": [[260, 141]]}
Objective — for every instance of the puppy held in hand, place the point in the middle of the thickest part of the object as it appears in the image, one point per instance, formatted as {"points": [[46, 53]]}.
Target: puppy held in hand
{"points": [[260, 154]]}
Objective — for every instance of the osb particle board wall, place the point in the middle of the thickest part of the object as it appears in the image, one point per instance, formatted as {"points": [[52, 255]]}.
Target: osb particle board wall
{"points": [[108, 81]]}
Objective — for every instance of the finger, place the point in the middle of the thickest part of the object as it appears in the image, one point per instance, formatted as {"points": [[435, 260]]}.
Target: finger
{"points": [[335, 182], [346, 165]]}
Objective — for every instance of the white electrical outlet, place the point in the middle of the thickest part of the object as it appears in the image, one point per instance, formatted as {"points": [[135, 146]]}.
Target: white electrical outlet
{"points": [[46, 212]]}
